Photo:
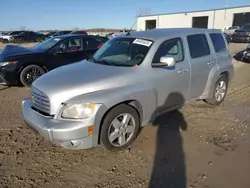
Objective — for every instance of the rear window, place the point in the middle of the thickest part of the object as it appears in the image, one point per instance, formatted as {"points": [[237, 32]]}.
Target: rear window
{"points": [[218, 42], [198, 45]]}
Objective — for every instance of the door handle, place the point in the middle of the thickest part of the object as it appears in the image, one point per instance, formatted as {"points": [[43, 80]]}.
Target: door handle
{"points": [[210, 63], [181, 71]]}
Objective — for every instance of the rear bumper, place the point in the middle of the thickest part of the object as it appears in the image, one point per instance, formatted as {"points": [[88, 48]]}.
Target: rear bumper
{"points": [[65, 133]]}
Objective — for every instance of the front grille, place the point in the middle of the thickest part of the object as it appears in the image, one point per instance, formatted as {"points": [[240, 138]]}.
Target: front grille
{"points": [[240, 33], [40, 101]]}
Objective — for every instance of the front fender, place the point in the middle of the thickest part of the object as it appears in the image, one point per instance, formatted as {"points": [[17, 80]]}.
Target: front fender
{"points": [[146, 96]]}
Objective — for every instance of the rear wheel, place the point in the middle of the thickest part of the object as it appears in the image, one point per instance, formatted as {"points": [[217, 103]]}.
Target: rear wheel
{"points": [[38, 40], [30, 73], [219, 91], [5, 41], [18, 41]]}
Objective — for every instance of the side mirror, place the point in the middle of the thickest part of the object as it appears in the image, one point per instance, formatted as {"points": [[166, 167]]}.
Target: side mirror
{"points": [[165, 62], [58, 51]]}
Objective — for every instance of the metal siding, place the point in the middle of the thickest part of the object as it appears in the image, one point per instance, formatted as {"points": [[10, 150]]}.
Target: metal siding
{"points": [[218, 19]]}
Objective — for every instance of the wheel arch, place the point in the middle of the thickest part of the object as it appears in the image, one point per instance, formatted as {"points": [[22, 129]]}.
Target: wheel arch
{"points": [[22, 66], [136, 105]]}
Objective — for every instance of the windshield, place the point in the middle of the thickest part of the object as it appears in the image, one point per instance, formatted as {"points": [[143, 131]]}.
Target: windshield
{"points": [[122, 52], [47, 44], [246, 27]]}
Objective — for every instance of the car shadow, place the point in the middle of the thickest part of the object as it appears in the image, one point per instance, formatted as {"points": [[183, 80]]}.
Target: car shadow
{"points": [[169, 163]]}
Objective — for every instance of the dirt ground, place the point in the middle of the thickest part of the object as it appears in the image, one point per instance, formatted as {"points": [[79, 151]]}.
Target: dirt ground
{"points": [[198, 146]]}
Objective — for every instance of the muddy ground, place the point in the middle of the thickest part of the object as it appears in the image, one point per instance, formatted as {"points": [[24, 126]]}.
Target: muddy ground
{"points": [[199, 146]]}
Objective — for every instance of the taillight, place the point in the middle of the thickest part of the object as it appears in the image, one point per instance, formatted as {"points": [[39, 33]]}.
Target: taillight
{"points": [[100, 45]]}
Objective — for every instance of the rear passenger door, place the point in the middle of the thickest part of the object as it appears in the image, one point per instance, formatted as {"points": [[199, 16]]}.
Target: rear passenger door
{"points": [[202, 61], [222, 54]]}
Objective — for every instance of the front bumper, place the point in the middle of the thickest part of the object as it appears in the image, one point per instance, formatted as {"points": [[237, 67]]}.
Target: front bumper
{"points": [[9, 75], [69, 134], [240, 38]]}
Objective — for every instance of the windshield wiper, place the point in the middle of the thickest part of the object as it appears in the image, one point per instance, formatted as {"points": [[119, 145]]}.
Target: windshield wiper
{"points": [[105, 62]]}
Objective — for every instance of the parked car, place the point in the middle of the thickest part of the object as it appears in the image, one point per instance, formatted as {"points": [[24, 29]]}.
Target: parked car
{"points": [[50, 34], [59, 33], [227, 37], [230, 31], [127, 83], [27, 36], [79, 32], [245, 54], [242, 34], [8, 36], [19, 65]]}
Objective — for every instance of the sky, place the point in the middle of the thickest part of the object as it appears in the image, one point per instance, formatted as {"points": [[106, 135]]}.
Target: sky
{"points": [[85, 14]]}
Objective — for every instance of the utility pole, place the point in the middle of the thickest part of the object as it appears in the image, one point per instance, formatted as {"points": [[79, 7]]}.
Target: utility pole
{"points": [[226, 6]]}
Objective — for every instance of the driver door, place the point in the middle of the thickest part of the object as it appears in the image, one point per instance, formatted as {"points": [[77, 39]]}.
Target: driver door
{"points": [[172, 83], [67, 52]]}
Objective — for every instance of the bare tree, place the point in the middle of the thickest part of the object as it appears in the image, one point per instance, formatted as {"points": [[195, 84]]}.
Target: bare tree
{"points": [[75, 29], [23, 27]]}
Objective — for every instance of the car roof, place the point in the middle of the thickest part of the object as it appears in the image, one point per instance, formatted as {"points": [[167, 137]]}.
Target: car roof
{"points": [[77, 35], [156, 34]]}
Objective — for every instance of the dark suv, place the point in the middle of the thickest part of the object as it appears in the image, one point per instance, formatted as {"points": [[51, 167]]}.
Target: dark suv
{"points": [[27, 36], [242, 34], [59, 33]]}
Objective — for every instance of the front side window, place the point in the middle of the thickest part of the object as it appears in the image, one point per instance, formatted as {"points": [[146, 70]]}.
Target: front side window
{"points": [[122, 51], [218, 42], [198, 45], [71, 45], [172, 48]]}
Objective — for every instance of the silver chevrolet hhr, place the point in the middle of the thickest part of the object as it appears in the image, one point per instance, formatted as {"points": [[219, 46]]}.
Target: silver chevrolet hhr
{"points": [[128, 82]]}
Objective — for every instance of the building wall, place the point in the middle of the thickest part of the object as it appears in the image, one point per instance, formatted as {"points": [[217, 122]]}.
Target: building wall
{"points": [[218, 19]]}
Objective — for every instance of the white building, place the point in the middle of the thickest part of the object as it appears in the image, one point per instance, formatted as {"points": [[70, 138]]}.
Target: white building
{"points": [[216, 18]]}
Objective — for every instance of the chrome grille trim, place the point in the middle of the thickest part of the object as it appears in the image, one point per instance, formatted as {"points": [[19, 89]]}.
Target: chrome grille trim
{"points": [[40, 101]]}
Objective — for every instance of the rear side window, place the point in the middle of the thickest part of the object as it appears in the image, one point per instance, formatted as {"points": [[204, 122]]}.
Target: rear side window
{"points": [[94, 43], [198, 45], [218, 42]]}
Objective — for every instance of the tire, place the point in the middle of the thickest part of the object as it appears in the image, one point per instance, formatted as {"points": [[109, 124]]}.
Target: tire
{"points": [[5, 41], [213, 98], [31, 71], [18, 41], [133, 124]]}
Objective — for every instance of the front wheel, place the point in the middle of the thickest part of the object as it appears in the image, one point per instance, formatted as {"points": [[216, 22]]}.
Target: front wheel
{"points": [[120, 128], [219, 91], [30, 73]]}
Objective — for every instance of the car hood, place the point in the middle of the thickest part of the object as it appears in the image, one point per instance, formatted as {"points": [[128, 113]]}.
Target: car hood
{"points": [[13, 50], [241, 30], [5, 36], [84, 77]]}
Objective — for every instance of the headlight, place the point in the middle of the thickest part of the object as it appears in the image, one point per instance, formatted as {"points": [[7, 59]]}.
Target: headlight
{"points": [[2, 64], [78, 111]]}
